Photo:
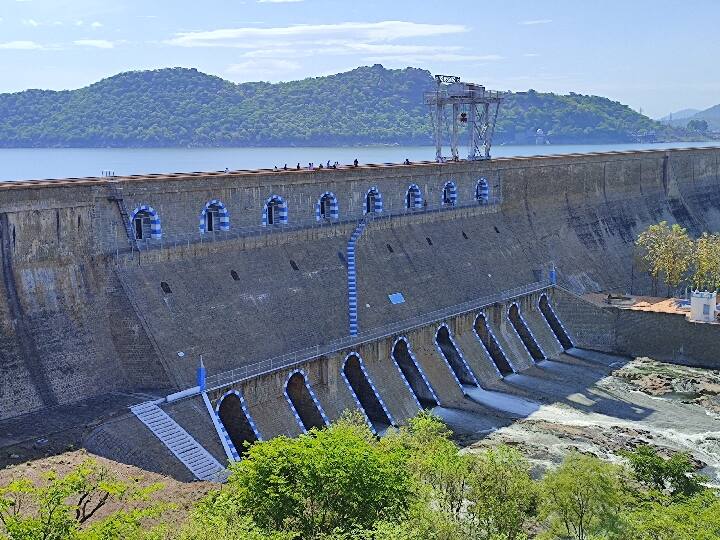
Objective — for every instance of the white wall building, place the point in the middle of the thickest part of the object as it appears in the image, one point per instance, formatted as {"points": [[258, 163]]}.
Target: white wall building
{"points": [[702, 306]]}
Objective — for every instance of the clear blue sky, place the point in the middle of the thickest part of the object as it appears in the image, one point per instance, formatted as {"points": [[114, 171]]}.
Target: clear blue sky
{"points": [[657, 55]]}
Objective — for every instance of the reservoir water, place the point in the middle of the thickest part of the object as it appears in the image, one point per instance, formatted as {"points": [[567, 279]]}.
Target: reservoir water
{"points": [[41, 163]]}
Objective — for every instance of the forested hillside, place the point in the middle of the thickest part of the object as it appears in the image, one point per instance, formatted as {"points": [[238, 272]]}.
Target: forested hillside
{"points": [[368, 105]]}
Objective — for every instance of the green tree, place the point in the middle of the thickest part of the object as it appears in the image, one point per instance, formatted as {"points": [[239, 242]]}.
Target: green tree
{"points": [[667, 251], [697, 125], [581, 498], [335, 479], [706, 262], [696, 518], [675, 475], [68, 507], [503, 495]]}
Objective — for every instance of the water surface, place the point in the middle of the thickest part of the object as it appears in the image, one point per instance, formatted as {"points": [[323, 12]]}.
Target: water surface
{"points": [[38, 163]]}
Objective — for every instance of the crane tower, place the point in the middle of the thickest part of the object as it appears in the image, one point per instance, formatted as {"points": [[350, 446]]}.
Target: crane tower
{"points": [[471, 104]]}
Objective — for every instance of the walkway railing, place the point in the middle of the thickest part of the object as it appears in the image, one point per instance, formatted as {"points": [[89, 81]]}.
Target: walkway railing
{"points": [[187, 239], [287, 360]]}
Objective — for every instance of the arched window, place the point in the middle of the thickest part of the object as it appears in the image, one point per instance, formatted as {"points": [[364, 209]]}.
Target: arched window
{"points": [[303, 402], [449, 194], [145, 223], [373, 201], [214, 217], [326, 208], [275, 211], [413, 197], [482, 191]]}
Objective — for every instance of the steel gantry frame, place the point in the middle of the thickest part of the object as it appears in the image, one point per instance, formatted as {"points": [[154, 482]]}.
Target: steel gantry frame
{"points": [[472, 104]]}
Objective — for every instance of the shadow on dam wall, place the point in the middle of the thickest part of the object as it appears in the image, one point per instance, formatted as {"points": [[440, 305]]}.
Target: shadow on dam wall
{"points": [[246, 300]]}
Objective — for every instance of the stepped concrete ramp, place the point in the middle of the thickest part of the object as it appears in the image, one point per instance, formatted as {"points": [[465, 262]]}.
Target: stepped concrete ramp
{"points": [[544, 335], [510, 343], [436, 369], [597, 357], [544, 306], [391, 387], [501, 401], [273, 417], [181, 444], [477, 358]]}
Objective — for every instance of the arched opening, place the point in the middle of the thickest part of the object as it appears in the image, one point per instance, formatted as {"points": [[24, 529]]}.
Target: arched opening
{"points": [[413, 198], [275, 211], [524, 332], [373, 201], [414, 377], [236, 422], [492, 347], [214, 217], [326, 208], [365, 393], [482, 191], [146, 223], [449, 194], [306, 408], [454, 359], [554, 323]]}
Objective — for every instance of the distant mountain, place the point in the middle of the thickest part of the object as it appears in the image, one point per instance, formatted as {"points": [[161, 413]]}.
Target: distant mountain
{"points": [[679, 115], [368, 105]]}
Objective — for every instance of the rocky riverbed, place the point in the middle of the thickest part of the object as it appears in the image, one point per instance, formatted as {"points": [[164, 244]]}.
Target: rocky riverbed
{"points": [[604, 407]]}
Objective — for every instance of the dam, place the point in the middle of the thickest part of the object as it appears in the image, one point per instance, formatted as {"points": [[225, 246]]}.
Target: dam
{"points": [[383, 288]]}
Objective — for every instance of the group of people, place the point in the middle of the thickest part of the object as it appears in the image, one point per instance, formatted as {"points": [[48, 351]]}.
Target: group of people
{"points": [[328, 165]]}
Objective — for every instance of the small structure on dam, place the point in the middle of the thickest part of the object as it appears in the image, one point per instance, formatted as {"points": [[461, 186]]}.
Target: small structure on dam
{"points": [[385, 289]]}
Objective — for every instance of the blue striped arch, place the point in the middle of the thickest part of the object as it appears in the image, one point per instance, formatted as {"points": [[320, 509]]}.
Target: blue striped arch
{"points": [[413, 197], [155, 226], [449, 194], [327, 207], [372, 386], [222, 214], [482, 191], [243, 405], [312, 395], [373, 201], [280, 211]]}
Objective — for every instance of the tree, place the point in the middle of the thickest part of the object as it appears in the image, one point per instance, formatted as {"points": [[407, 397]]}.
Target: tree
{"points": [[67, 507], [581, 498], [335, 479], [697, 125], [675, 475], [503, 494], [696, 518], [667, 251], [436, 462], [706, 262]]}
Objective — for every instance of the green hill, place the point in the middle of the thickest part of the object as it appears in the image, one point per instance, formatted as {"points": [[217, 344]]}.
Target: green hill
{"points": [[368, 105]]}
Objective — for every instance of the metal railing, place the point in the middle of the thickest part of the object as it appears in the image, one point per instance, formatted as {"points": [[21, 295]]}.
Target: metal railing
{"points": [[287, 360], [188, 239]]}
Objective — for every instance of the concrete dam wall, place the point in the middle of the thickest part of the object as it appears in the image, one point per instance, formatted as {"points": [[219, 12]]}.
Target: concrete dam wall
{"points": [[85, 311]]}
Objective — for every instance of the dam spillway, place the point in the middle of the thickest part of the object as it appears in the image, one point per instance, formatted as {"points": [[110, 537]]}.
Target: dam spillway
{"points": [[116, 286]]}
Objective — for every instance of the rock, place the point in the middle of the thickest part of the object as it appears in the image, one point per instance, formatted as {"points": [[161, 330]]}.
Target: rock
{"points": [[708, 389]]}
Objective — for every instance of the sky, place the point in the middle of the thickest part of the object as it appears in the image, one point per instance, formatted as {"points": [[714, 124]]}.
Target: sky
{"points": [[657, 56]]}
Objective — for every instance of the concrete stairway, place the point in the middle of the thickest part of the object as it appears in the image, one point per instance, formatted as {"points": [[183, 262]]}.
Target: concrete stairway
{"points": [[180, 443]]}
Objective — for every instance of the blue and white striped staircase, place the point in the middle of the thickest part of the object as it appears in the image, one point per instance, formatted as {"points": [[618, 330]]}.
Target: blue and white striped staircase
{"points": [[352, 277], [182, 445]]}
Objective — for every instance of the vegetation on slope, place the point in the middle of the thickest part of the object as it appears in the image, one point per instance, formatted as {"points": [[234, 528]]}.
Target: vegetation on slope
{"points": [[368, 105], [342, 483]]}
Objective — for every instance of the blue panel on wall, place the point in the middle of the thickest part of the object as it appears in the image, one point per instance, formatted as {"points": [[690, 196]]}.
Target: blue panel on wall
{"points": [[396, 298]]}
